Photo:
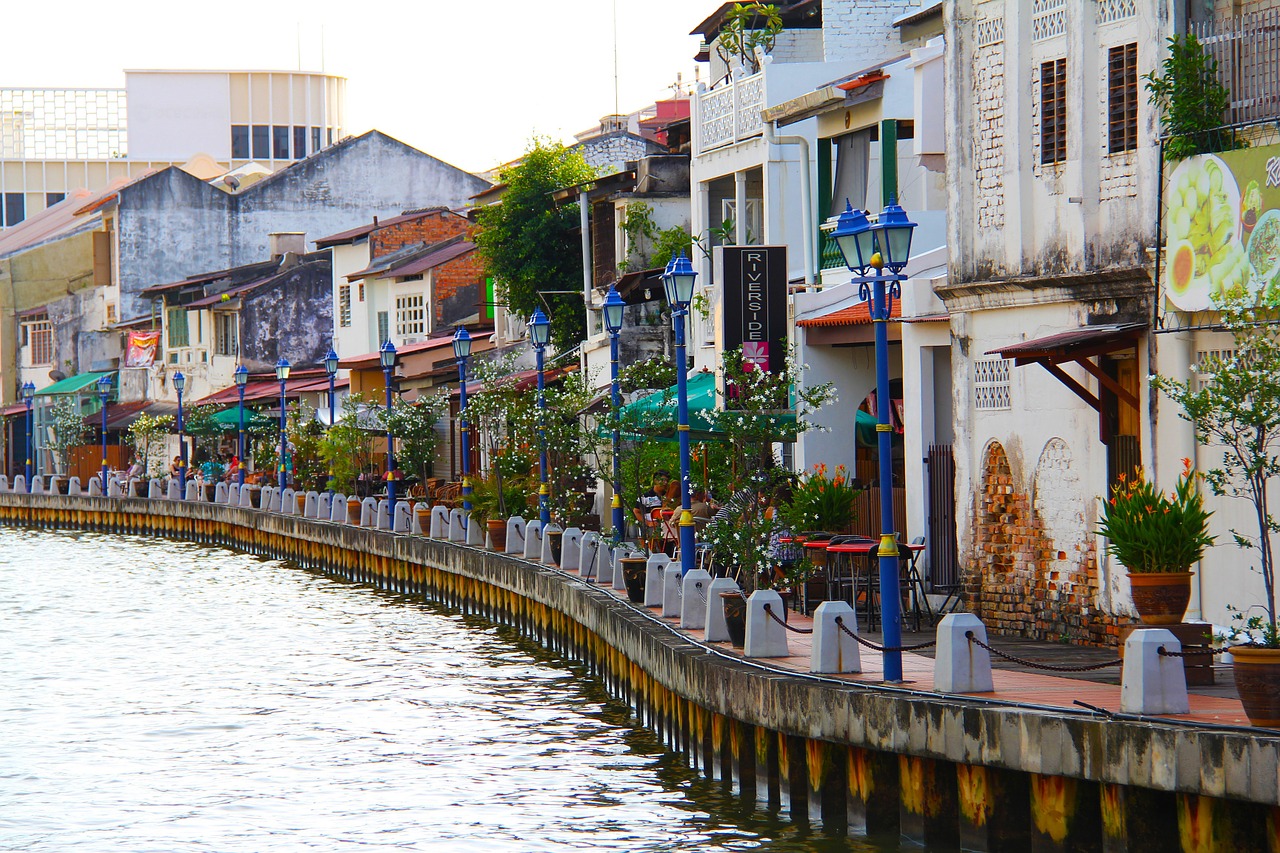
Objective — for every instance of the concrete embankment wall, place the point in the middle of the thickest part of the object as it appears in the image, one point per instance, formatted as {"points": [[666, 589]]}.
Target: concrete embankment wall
{"points": [[942, 770]]}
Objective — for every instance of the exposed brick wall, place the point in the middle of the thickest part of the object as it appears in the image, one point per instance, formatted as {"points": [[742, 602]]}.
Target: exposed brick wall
{"points": [[988, 154], [1022, 582], [430, 227], [458, 289], [862, 30]]}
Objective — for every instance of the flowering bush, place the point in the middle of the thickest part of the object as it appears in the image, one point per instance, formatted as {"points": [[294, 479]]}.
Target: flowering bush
{"points": [[1150, 531], [819, 502]]}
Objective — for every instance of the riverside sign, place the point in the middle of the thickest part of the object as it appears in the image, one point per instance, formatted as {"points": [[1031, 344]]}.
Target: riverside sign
{"points": [[755, 304]]}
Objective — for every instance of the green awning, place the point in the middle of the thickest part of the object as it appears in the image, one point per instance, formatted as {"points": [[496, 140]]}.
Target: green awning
{"points": [[654, 415], [73, 384], [229, 419]]}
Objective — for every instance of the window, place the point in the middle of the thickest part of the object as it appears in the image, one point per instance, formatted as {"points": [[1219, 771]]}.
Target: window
{"points": [[344, 305], [1122, 98], [384, 332], [1053, 111], [280, 136], [50, 199], [330, 134], [261, 142], [315, 139], [226, 339], [112, 315], [410, 315], [239, 142], [299, 143], [178, 335], [362, 291], [15, 208], [37, 337]]}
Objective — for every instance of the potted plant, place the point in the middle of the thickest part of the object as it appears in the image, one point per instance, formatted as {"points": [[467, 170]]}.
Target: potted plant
{"points": [[819, 502], [1158, 536], [633, 575]]}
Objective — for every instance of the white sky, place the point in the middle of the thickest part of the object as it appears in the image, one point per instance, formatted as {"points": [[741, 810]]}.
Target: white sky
{"points": [[468, 81]]}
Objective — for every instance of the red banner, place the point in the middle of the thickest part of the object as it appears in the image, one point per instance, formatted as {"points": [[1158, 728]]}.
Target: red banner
{"points": [[141, 351]]}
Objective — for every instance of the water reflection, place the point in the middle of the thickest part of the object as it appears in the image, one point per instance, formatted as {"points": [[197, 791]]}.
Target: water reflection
{"points": [[172, 697]]}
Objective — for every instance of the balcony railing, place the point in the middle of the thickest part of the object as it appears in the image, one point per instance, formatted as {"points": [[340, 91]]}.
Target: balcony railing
{"points": [[1247, 49], [731, 113]]}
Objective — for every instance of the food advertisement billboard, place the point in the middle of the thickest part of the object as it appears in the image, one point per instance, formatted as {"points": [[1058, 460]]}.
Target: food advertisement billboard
{"points": [[1222, 228]]}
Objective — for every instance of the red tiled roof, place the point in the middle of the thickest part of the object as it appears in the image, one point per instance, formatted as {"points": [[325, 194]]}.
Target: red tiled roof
{"points": [[431, 261], [364, 230], [373, 359], [264, 388], [854, 315]]}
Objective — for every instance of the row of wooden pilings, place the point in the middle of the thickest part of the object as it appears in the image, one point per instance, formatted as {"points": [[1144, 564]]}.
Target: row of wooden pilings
{"points": [[841, 788]]}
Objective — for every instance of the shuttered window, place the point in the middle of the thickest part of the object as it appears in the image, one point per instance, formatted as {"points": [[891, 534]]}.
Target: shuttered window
{"points": [[1053, 111], [1122, 98]]}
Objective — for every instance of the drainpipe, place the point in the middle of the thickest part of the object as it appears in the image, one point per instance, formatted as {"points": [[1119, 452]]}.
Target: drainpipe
{"points": [[806, 196], [584, 221]]}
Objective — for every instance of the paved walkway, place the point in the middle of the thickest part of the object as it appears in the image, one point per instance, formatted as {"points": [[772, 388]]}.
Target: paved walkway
{"points": [[1014, 683]]}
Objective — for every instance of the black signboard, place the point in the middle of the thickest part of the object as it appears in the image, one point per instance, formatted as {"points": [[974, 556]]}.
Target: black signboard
{"points": [[755, 304]]}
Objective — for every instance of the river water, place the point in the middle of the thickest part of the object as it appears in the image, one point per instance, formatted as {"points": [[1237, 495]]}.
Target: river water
{"points": [[164, 696]]}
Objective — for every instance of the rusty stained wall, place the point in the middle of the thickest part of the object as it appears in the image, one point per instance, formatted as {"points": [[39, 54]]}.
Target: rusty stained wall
{"points": [[291, 318]]}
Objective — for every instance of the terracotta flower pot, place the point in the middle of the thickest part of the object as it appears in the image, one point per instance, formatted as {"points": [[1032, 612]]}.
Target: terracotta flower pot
{"points": [[255, 496], [1257, 674], [210, 490], [353, 510], [301, 498], [497, 534], [140, 488], [1161, 598], [633, 571], [735, 617]]}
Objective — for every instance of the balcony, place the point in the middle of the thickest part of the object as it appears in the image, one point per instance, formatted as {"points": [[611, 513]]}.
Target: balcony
{"points": [[731, 113], [1247, 49]]}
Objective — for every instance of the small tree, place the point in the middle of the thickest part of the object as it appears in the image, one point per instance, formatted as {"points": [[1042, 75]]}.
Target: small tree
{"points": [[748, 26], [347, 446], [414, 426], [148, 433], [69, 429], [1192, 101], [1236, 407], [306, 437]]}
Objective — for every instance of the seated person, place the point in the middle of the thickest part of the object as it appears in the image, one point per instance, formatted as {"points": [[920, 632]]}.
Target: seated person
{"points": [[653, 498], [699, 505], [175, 469]]}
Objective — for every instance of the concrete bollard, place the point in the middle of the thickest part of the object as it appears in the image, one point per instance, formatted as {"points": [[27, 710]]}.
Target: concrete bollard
{"points": [[114, 488], [833, 649], [246, 498], [416, 517], [439, 522], [311, 505], [288, 502], [324, 506], [20, 484], [477, 533], [715, 630], [457, 526], [4, 483], [74, 486], [961, 666], [54, 483], [693, 599], [37, 485], [95, 487], [404, 517], [672, 590], [383, 515], [233, 494], [653, 570], [368, 512], [1152, 683], [338, 509], [622, 551], [571, 549], [604, 563], [589, 548], [155, 491], [220, 493], [173, 493], [545, 556], [533, 540], [193, 492], [515, 535], [765, 637]]}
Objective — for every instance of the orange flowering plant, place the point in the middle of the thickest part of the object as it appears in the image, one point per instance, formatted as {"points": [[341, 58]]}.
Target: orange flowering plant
{"points": [[821, 502], [1153, 531]]}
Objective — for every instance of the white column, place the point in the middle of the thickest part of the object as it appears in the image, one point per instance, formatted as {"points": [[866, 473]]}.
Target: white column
{"points": [[740, 207]]}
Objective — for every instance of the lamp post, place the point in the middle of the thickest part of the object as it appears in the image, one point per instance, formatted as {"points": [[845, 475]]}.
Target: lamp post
{"points": [[613, 310], [387, 355], [331, 368], [29, 395], [678, 281], [104, 389], [282, 373], [180, 382], [540, 334], [242, 379], [461, 352], [868, 250]]}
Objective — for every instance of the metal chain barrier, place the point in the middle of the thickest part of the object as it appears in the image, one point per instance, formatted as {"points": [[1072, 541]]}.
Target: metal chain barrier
{"points": [[774, 616], [969, 635], [1202, 650], [701, 593], [840, 624]]}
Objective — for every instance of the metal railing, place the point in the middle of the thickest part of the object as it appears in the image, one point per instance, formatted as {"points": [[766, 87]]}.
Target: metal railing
{"points": [[731, 113], [1247, 49]]}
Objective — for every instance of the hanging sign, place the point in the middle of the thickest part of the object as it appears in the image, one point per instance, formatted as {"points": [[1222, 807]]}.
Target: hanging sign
{"points": [[755, 304], [141, 351]]}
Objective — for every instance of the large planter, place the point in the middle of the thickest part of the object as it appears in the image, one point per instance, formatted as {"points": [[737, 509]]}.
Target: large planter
{"points": [[633, 571], [255, 496], [735, 617], [555, 539], [1161, 598], [141, 488], [497, 534], [210, 490], [301, 499], [353, 510], [1257, 673], [64, 485]]}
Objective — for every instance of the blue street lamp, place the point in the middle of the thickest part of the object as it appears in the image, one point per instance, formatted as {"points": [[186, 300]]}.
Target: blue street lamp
{"points": [[868, 249], [282, 373], [331, 368], [678, 281], [461, 352], [540, 335], [104, 390], [387, 356], [28, 396], [613, 310], [180, 382], [242, 379]]}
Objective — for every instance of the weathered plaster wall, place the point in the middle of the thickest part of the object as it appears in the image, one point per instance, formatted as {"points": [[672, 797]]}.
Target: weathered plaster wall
{"points": [[292, 318]]}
